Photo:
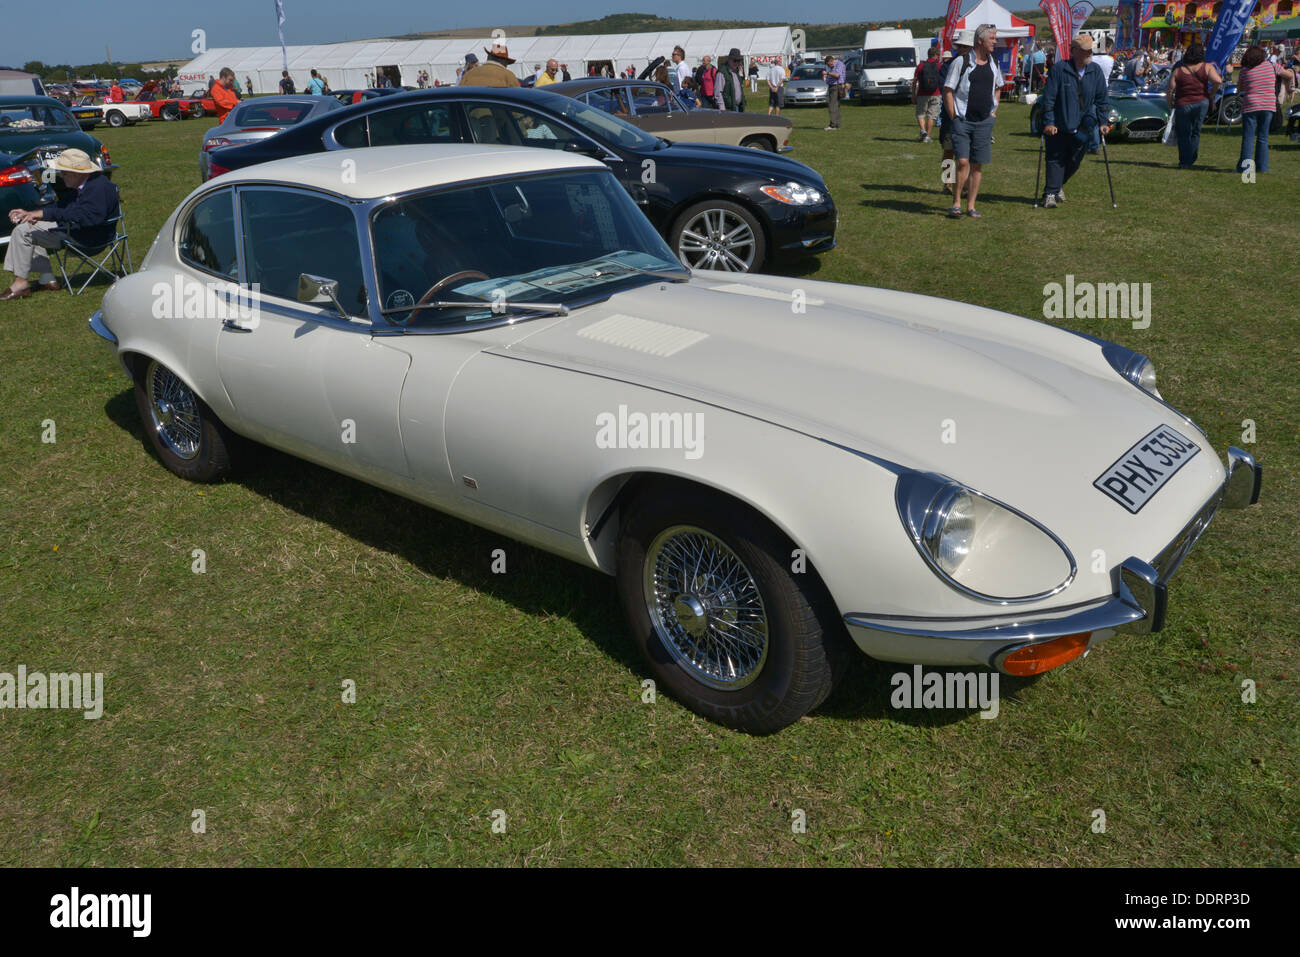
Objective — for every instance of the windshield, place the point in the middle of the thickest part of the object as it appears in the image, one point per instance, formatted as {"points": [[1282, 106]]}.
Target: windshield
{"points": [[807, 73], [557, 238], [887, 57], [605, 128], [34, 119]]}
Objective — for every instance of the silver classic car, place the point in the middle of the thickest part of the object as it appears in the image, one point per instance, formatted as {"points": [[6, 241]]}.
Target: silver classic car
{"points": [[499, 333]]}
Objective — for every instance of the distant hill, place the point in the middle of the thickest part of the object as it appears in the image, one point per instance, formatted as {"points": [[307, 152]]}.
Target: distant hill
{"points": [[818, 35]]}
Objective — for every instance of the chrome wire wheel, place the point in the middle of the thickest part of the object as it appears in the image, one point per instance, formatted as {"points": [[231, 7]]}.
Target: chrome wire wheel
{"points": [[706, 607], [173, 411], [717, 239]]}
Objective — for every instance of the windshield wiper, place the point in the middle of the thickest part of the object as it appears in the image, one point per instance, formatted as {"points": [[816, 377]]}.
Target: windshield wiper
{"points": [[496, 307], [624, 270]]}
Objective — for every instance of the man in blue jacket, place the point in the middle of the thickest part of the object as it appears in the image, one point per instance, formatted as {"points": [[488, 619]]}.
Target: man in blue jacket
{"points": [[85, 212], [1075, 107]]}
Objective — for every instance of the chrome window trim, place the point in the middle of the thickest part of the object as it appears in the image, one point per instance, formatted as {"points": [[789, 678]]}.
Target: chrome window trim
{"points": [[182, 220], [917, 518], [295, 309]]}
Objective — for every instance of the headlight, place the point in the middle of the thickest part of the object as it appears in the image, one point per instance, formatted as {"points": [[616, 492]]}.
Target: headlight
{"points": [[868, 82], [794, 194], [1114, 117], [1133, 366], [978, 545]]}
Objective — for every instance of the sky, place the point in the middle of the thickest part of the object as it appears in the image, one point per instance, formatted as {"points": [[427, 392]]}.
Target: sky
{"points": [[76, 31]]}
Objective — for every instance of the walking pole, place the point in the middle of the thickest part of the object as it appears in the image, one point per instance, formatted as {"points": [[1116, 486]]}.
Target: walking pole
{"points": [[1038, 169], [1106, 160]]}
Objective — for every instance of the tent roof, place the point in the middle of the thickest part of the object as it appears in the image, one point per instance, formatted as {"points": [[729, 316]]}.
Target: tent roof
{"points": [[366, 54], [990, 11], [1290, 27]]}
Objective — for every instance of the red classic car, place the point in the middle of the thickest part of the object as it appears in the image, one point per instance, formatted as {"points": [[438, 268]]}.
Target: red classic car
{"points": [[170, 108]]}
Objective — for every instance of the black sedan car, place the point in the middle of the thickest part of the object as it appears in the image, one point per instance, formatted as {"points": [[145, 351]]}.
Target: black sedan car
{"points": [[719, 207]]}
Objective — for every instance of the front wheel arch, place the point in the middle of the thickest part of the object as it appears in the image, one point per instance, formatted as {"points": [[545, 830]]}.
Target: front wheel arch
{"points": [[794, 678]]}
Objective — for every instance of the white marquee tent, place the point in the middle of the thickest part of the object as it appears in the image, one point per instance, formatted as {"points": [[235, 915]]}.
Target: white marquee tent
{"points": [[345, 65]]}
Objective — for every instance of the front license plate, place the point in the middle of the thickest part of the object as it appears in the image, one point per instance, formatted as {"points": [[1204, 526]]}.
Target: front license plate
{"points": [[1144, 469], [1153, 134]]}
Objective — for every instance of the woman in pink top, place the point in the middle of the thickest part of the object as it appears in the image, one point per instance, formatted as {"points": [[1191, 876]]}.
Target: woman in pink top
{"points": [[1257, 87]]}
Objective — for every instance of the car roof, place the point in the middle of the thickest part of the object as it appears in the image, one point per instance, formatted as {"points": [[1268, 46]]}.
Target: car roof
{"points": [[570, 87], [32, 100], [385, 170]]}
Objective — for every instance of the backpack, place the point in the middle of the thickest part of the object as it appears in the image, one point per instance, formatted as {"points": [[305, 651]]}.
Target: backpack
{"points": [[930, 75]]}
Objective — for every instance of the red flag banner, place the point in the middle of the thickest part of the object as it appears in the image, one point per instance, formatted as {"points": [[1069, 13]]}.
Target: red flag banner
{"points": [[1058, 16], [949, 26]]}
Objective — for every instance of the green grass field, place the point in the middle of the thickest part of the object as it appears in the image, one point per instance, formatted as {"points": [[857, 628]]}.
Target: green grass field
{"points": [[521, 692]]}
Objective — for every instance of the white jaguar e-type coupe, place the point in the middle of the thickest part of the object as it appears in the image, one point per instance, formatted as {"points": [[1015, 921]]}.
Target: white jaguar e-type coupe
{"points": [[768, 466]]}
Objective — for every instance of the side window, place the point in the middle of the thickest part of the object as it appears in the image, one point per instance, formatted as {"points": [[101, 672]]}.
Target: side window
{"points": [[289, 233], [352, 134], [649, 99], [425, 123], [609, 100], [511, 126], [207, 238]]}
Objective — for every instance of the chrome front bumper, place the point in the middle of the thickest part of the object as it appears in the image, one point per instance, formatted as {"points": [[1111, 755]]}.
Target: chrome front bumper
{"points": [[97, 326], [1139, 605]]}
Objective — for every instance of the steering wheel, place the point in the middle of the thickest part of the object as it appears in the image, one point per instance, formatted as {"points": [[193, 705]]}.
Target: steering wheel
{"points": [[437, 287]]}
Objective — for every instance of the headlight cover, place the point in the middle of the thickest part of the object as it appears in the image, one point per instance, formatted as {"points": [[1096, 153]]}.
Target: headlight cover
{"points": [[794, 194], [978, 545], [1133, 366]]}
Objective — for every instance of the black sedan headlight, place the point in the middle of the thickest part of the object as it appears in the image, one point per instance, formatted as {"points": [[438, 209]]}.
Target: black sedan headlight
{"points": [[794, 194]]}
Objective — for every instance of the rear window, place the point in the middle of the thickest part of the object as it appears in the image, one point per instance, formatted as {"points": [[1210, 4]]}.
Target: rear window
{"points": [[35, 118], [280, 114]]}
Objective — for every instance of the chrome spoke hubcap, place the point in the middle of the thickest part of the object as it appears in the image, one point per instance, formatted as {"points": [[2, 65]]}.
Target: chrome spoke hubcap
{"points": [[706, 608], [174, 411], [717, 239]]}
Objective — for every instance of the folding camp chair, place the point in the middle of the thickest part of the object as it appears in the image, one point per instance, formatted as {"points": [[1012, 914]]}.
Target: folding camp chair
{"points": [[112, 258]]}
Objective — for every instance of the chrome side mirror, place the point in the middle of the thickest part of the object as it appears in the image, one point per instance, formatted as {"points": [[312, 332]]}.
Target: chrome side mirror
{"points": [[318, 290]]}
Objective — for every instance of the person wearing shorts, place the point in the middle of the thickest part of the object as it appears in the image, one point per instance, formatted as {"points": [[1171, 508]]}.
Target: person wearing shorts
{"points": [[927, 85], [775, 89], [970, 98]]}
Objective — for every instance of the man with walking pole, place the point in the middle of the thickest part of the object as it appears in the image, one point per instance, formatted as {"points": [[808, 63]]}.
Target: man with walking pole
{"points": [[1075, 107]]}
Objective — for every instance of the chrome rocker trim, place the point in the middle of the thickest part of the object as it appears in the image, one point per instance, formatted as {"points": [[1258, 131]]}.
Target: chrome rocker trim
{"points": [[1139, 605]]}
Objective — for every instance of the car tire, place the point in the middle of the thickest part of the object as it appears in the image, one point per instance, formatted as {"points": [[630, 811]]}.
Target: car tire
{"points": [[710, 221], [186, 435], [784, 643], [760, 141], [1230, 109], [171, 112], [196, 110], [115, 119]]}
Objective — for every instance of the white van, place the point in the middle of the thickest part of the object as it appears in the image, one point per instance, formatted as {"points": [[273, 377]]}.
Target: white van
{"points": [[888, 64]]}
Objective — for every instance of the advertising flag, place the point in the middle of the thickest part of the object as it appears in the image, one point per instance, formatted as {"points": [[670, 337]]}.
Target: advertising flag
{"points": [[1058, 16], [949, 26], [1234, 17], [279, 16], [1079, 12]]}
